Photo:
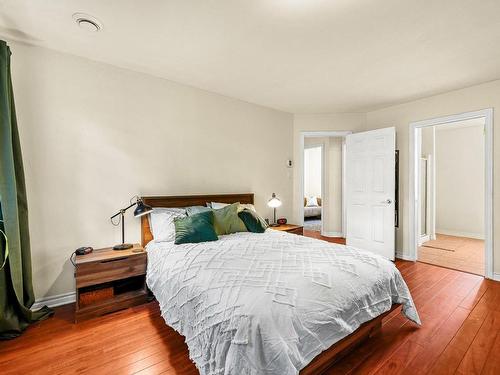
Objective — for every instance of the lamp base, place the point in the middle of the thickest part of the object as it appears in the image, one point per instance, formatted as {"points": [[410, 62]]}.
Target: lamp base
{"points": [[123, 246]]}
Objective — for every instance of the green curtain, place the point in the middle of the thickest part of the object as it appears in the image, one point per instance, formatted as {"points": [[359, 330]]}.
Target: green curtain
{"points": [[16, 288]]}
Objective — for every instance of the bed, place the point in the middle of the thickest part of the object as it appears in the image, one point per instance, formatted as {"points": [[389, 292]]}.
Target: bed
{"points": [[269, 303], [312, 211]]}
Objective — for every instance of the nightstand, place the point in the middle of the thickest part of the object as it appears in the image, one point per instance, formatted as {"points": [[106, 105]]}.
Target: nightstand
{"points": [[290, 228], [108, 280]]}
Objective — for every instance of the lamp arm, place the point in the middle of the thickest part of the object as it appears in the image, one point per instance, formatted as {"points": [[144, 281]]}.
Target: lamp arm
{"points": [[122, 211]]}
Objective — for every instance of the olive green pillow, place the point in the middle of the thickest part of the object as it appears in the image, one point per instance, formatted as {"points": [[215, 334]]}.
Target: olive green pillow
{"points": [[253, 222], [226, 220], [195, 228]]}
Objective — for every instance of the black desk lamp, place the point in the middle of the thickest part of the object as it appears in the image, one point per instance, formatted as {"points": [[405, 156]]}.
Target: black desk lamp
{"points": [[140, 210]]}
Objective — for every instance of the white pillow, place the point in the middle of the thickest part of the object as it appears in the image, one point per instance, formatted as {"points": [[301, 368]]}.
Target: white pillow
{"points": [[312, 202], [217, 205], [162, 225]]}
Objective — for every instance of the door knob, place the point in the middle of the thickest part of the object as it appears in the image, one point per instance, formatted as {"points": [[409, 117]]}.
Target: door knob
{"points": [[387, 201]]}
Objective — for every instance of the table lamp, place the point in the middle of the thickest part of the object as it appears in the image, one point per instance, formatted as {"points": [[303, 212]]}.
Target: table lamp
{"points": [[140, 210], [274, 202]]}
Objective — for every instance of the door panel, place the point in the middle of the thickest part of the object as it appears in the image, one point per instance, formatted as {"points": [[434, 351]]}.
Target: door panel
{"points": [[370, 182]]}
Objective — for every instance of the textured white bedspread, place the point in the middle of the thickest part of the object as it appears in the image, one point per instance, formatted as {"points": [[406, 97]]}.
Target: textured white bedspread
{"points": [[269, 303]]}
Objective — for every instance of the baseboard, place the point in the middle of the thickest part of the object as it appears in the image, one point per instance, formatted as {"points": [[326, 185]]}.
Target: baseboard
{"points": [[423, 239], [53, 301], [460, 234], [401, 255], [496, 276], [332, 234]]}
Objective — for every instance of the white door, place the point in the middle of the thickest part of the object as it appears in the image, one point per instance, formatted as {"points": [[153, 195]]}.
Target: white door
{"points": [[370, 182]]}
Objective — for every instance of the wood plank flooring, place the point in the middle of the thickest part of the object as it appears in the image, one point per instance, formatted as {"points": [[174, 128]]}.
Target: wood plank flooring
{"points": [[459, 253], [316, 234], [460, 335]]}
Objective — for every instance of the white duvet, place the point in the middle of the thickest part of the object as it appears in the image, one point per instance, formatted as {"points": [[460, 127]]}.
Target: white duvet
{"points": [[269, 303]]}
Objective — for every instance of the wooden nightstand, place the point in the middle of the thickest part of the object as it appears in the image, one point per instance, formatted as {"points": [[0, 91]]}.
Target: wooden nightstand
{"points": [[290, 228], [108, 280]]}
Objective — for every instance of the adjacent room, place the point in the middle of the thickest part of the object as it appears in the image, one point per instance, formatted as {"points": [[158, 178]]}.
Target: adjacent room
{"points": [[268, 187], [452, 195], [323, 178], [313, 181]]}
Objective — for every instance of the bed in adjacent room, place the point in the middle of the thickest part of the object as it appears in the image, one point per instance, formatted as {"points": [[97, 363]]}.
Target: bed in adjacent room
{"points": [[272, 302], [312, 207]]}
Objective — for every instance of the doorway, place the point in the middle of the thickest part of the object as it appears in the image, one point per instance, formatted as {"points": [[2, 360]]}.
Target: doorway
{"points": [[451, 176], [314, 154], [321, 205], [368, 190]]}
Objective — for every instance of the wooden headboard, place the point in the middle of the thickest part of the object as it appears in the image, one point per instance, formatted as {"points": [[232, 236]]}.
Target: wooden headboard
{"points": [[186, 201]]}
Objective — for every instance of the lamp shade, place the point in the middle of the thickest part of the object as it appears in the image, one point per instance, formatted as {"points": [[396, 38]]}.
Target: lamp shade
{"points": [[274, 201], [142, 209]]}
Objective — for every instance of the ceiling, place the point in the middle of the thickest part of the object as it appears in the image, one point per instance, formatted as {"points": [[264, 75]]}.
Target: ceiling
{"points": [[299, 56]]}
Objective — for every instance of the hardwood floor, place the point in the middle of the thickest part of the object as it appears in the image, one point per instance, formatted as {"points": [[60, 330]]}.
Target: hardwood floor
{"points": [[459, 253], [460, 335], [316, 234]]}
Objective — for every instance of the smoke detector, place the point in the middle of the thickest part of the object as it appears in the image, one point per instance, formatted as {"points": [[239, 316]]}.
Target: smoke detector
{"points": [[87, 22]]}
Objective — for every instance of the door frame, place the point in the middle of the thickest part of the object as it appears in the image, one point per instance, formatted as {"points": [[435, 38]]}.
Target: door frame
{"points": [[321, 134], [414, 175], [429, 209]]}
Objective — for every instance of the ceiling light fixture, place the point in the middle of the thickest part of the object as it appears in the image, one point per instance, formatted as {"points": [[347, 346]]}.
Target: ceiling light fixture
{"points": [[87, 22]]}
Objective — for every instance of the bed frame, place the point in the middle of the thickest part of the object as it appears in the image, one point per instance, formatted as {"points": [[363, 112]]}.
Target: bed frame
{"points": [[322, 361]]}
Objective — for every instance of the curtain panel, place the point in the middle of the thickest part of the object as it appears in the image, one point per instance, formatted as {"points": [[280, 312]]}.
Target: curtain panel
{"points": [[16, 288]]}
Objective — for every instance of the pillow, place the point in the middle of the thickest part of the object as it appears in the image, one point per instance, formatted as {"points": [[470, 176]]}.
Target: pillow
{"points": [[312, 202], [196, 228], [217, 205], [247, 206], [226, 220], [193, 210], [253, 222], [161, 221], [242, 206]]}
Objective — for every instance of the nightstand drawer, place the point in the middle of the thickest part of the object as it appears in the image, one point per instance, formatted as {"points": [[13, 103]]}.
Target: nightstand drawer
{"points": [[93, 273]]}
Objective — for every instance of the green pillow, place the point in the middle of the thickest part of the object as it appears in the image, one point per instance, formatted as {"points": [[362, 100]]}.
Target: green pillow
{"points": [[226, 220], [195, 228], [193, 210], [253, 222]]}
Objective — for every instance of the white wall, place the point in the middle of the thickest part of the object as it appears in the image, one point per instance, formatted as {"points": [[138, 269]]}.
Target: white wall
{"points": [[460, 180], [312, 171], [470, 99], [94, 135]]}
